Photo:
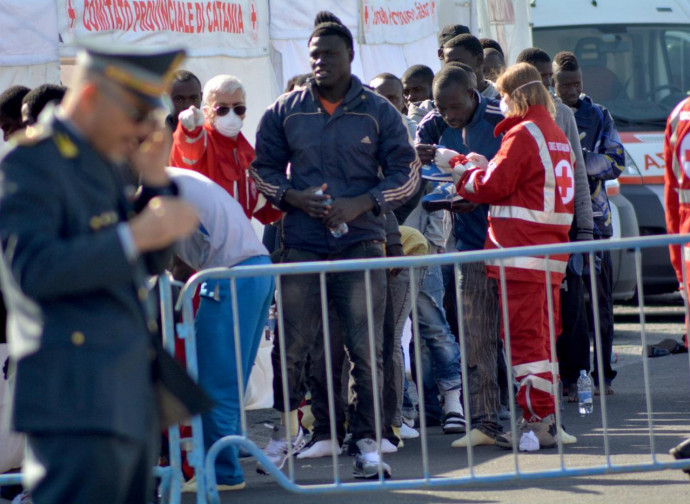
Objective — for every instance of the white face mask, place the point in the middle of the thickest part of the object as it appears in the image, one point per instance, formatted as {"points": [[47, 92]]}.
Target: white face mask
{"points": [[505, 108], [228, 125]]}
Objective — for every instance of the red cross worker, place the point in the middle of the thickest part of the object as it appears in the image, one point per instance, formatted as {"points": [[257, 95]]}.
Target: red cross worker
{"points": [[529, 186], [677, 186]]}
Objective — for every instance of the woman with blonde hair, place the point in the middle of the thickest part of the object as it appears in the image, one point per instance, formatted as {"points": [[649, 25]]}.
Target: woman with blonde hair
{"points": [[530, 187]]}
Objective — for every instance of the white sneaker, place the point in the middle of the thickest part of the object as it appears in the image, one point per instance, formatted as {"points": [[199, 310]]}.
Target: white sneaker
{"points": [[407, 432], [277, 450], [319, 449], [366, 463], [387, 446]]}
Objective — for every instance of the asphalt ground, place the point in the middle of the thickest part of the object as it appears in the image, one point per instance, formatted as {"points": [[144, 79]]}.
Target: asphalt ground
{"points": [[628, 437]]}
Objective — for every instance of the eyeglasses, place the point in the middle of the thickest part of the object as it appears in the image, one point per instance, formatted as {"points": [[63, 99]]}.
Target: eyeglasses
{"points": [[222, 110], [135, 114], [138, 115]]}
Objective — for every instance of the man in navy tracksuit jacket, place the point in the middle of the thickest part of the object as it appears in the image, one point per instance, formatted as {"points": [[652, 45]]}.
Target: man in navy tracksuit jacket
{"points": [[351, 144]]}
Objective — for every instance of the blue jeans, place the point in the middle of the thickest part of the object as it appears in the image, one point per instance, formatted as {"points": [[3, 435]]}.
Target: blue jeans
{"points": [[215, 343], [436, 333]]}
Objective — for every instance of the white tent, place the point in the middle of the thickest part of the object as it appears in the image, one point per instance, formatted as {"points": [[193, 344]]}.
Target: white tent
{"points": [[263, 42]]}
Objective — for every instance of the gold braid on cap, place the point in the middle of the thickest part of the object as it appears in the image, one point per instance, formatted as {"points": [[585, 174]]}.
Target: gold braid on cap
{"points": [[147, 87]]}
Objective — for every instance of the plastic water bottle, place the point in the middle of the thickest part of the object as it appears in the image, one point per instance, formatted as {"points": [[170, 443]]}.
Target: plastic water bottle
{"points": [[270, 328], [341, 229], [584, 393]]}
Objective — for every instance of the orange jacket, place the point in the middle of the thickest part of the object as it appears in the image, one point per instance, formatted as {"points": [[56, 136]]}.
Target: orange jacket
{"points": [[226, 162], [677, 181], [530, 187]]}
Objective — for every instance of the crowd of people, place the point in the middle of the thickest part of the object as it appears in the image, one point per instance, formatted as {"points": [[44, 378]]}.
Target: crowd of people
{"points": [[478, 156]]}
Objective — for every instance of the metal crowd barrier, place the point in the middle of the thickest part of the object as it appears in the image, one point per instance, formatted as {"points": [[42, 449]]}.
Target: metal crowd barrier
{"points": [[204, 466]]}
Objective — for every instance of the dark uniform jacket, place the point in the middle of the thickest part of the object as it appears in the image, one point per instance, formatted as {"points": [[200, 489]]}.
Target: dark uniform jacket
{"points": [[79, 329]]}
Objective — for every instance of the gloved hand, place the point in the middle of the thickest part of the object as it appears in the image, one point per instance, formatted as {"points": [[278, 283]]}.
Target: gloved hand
{"points": [[460, 165], [191, 118], [442, 158], [458, 171], [478, 160]]}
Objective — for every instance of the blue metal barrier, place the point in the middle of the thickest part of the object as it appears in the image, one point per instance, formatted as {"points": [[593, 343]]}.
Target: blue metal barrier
{"points": [[206, 472], [204, 464]]}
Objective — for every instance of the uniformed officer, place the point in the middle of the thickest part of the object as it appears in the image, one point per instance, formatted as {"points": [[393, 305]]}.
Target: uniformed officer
{"points": [[77, 248]]}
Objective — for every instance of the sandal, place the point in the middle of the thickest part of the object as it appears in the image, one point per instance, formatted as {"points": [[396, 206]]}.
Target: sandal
{"points": [[572, 393], [607, 389]]}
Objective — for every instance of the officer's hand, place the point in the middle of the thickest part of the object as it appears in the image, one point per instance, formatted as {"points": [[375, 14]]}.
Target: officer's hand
{"points": [[165, 220], [308, 201], [425, 152], [151, 157], [347, 209], [191, 118]]}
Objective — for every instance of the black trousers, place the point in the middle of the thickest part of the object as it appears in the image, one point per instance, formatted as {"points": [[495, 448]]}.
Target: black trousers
{"points": [[88, 468], [572, 345], [604, 287]]}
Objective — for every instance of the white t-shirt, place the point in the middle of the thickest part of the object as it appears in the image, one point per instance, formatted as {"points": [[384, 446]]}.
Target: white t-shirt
{"points": [[225, 236]]}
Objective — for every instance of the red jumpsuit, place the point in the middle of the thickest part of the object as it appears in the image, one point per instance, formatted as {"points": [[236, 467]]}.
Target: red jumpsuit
{"points": [[677, 186], [529, 185], [226, 162]]}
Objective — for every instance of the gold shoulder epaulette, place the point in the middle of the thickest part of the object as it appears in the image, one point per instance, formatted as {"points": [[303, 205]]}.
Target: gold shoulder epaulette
{"points": [[65, 145], [31, 135]]}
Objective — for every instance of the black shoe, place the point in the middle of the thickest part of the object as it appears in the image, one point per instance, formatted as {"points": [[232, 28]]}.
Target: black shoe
{"points": [[682, 451]]}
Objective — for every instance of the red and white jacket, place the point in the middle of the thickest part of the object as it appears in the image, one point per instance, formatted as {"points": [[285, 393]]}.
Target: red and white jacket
{"points": [[226, 162], [530, 187], [677, 181]]}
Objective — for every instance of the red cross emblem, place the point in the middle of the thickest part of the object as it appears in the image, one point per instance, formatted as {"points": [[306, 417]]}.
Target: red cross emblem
{"points": [[71, 14], [565, 181], [253, 17]]}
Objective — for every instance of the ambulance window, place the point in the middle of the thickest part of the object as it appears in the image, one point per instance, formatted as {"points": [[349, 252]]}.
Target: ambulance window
{"points": [[678, 50]]}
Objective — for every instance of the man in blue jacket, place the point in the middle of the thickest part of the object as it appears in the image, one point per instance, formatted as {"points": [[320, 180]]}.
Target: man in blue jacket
{"points": [[338, 138], [464, 121], [604, 160]]}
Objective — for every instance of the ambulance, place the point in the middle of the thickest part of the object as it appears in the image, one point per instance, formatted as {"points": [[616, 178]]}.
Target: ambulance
{"points": [[635, 61]]}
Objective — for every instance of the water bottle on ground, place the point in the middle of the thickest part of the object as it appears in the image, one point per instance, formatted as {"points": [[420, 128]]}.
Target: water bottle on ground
{"points": [[341, 229], [584, 393]]}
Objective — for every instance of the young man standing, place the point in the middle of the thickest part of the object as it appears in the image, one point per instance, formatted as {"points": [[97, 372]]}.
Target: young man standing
{"points": [[467, 49], [336, 135], [184, 93], [604, 160], [464, 121]]}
